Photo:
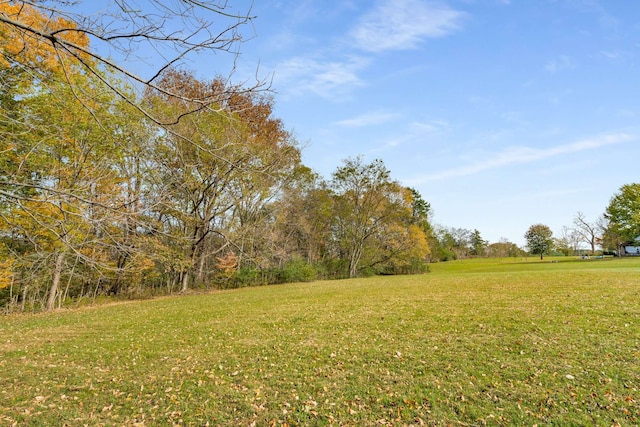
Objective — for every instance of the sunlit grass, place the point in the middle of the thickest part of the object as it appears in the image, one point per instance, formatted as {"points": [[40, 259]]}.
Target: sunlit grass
{"points": [[506, 342]]}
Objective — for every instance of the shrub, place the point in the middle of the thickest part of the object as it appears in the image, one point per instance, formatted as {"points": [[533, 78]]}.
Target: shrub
{"points": [[297, 271], [247, 276]]}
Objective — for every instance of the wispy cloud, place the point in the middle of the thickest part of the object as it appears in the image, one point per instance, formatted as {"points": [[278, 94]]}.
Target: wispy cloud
{"points": [[414, 132], [327, 79], [334, 70], [518, 155], [403, 24], [368, 119], [560, 63], [616, 55]]}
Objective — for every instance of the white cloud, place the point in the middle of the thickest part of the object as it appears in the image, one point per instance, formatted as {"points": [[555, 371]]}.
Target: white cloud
{"points": [[560, 63], [422, 128], [517, 155], [403, 24], [368, 119], [417, 131], [397, 24], [616, 55], [327, 79]]}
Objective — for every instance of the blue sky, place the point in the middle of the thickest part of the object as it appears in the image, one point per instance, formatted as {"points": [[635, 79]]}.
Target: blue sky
{"points": [[502, 113]]}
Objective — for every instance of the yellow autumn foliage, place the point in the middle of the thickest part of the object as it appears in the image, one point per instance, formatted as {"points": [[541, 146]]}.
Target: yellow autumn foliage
{"points": [[6, 273], [25, 36], [418, 241]]}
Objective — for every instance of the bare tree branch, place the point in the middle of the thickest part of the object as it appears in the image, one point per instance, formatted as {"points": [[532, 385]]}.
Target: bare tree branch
{"points": [[155, 28], [589, 232]]}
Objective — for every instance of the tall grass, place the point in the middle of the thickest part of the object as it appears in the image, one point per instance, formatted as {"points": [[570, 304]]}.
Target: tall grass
{"points": [[507, 342]]}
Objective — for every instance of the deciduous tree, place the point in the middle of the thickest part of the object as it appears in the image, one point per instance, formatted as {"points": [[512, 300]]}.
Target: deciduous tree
{"points": [[539, 239], [56, 35], [568, 242], [305, 218], [219, 171], [63, 192], [373, 215], [623, 215], [504, 248], [587, 231]]}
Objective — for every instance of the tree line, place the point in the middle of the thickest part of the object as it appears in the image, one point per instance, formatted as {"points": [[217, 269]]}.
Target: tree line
{"points": [[106, 189], [616, 228], [117, 185]]}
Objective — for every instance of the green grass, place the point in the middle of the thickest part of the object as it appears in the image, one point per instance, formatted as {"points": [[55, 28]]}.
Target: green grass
{"points": [[495, 342]]}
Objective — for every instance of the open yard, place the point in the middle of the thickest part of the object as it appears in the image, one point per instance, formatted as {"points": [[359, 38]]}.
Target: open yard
{"points": [[495, 342]]}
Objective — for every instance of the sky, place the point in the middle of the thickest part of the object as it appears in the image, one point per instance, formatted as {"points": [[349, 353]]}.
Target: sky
{"points": [[501, 113]]}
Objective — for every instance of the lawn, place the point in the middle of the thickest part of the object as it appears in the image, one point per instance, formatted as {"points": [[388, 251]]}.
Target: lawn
{"points": [[488, 342]]}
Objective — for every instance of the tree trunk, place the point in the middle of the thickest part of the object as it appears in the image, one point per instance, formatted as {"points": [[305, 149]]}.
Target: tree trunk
{"points": [[354, 260], [185, 281], [23, 303], [201, 265], [55, 283]]}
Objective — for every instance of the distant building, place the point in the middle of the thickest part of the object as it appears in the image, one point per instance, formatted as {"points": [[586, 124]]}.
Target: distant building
{"points": [[631, 248]]}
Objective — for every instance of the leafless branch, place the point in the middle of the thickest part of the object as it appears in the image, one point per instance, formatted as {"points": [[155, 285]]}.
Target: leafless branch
{"points": [[155, 27]]}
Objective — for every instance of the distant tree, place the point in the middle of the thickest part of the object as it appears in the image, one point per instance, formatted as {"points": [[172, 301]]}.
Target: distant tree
{"points": [[421, 209], [443, 244], [609, 241], [539, 239], [452, 243], [503, 248], [401, 245], [623, 215], [478, 244], [568, 241], [422, 218], [462, 245], [588, 232]]}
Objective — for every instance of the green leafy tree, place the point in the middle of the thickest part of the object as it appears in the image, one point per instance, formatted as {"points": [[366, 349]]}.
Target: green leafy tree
{"points": [[420, 209], [623, 216], [444, 245], [453, 243], [372, 216], [478, 244], [539, 239], [422, 212], [503, 248], [361, 195], [70, 212]]}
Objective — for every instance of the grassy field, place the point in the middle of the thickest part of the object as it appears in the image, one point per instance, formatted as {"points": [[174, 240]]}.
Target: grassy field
{"points": [[488, 342]]}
